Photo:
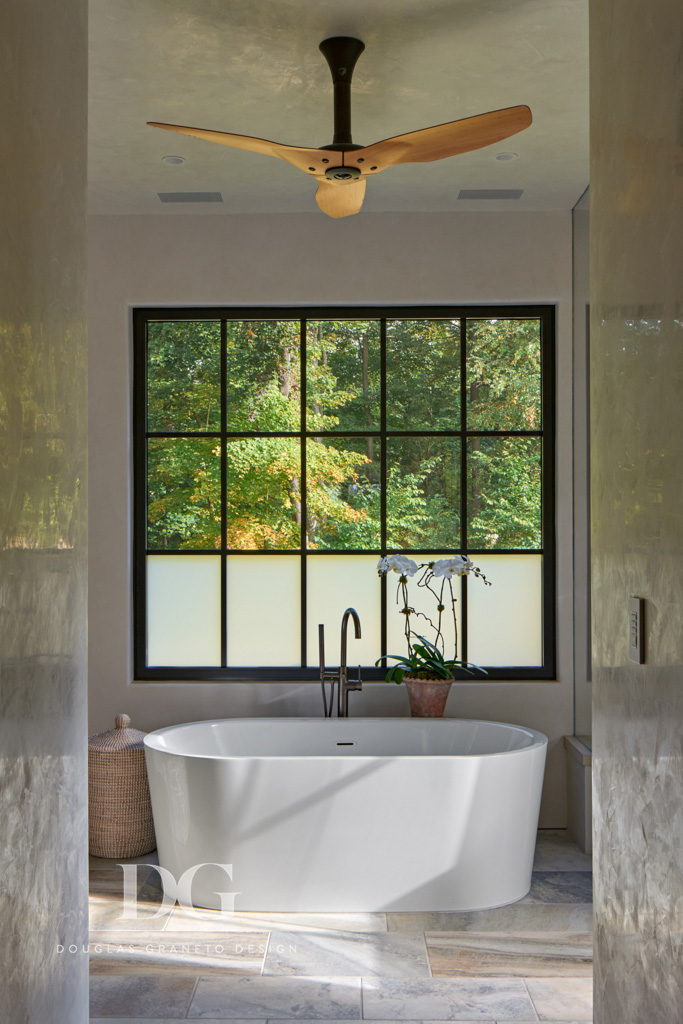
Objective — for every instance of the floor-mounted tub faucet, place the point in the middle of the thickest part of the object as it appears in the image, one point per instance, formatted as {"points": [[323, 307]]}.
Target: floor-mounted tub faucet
{"points": [[341, 678]]}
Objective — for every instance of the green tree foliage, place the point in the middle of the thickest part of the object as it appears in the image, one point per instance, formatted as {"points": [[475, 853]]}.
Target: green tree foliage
{"points": [[504, 393], [263, 505]]}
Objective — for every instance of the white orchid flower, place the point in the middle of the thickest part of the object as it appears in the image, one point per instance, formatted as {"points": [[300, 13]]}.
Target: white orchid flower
{"points": [[460, 565], [397, 563]]}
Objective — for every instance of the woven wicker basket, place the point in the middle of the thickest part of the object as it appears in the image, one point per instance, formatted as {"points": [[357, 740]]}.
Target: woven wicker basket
{"points": [[120, 812]]}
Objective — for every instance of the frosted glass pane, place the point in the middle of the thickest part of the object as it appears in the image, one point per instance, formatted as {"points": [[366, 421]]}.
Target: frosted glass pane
{"points": [[335, 583], [505, 620], [422, 601], [183, 610], [264, 611]]}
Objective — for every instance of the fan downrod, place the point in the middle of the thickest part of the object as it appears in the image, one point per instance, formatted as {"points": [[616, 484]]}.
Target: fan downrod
{"points": [[341, 54]]}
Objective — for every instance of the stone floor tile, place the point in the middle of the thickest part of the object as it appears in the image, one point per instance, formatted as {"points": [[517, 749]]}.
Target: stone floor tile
{"points": [[349, 955], [557, 851], [560, 887], [173, 1020], [127, 995], [188, 955], [562, 998], [107, 910], [182, 920], [110, 879], [461, 999], [514, 918], [277, 998], [501, 954]]}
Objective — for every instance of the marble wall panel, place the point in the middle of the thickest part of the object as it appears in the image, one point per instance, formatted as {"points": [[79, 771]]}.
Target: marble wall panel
{"points": [[43, 791], [637, 498]]}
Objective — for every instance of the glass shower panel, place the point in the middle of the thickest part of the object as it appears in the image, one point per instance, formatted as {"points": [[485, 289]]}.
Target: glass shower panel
{"points": [[264, 610], [505, 620], [183, 610], [335, 583]]}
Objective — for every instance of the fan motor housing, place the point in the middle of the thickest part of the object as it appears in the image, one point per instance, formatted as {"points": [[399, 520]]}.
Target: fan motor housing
{"points": [[342, 173]]}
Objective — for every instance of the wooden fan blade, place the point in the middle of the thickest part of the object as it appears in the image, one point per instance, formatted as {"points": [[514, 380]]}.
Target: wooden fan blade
{"points": [[340, 199], [309, 160], [444, 140]]}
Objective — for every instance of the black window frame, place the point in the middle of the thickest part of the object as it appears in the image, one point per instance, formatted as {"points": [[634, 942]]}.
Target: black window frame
{"points": [[545, 313]]}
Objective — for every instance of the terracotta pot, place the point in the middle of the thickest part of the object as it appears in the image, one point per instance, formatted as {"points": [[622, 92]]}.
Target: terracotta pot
{"points": [[427, 696]]}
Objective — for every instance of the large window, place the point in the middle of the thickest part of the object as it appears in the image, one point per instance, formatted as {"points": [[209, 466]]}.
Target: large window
{"points": [[280, 452]]}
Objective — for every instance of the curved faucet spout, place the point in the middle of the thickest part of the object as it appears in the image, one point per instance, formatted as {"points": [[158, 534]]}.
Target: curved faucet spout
{"points": [[344, 684], [350, 612]]}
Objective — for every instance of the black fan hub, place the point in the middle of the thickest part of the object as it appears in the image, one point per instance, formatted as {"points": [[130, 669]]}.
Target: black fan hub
{"points": [[342, 173]]}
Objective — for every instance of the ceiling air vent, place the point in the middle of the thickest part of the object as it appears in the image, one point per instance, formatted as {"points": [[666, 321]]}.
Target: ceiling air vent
{"points": [[190, 197], [490, 193]]}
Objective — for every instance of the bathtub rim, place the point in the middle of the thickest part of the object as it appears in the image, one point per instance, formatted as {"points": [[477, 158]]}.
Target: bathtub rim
{"points": [[538, 739]]}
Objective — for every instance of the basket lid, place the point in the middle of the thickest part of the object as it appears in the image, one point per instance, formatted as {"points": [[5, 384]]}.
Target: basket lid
{"points": [[120, 738]]}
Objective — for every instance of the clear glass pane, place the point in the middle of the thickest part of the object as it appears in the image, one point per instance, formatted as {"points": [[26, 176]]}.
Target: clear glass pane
{"points": [[183, 493], [425, 603], [343, 374], [343, 495], [263, 375], [503, 374], [335, 583], [504, 621], [504, 492], [263, 498], [183, 610], [183, 375], [264, 610], [423, 374], [423, 492]]}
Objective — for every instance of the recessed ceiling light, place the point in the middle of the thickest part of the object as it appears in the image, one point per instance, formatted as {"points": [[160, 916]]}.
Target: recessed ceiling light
{"points": [[506, 156], [173, 159]]}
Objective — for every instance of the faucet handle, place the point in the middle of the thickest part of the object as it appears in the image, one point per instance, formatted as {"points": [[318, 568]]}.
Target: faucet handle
{"points": [[321, 650], [355, 684]]}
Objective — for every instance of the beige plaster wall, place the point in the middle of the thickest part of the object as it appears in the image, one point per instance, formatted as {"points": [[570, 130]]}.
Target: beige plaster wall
{"points": [[307, 259]]}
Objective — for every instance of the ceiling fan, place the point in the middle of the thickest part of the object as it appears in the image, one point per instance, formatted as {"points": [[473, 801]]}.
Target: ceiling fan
{"points": [[342, 168]]}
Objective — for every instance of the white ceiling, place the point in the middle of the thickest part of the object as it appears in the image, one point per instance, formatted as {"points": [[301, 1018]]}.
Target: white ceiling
{"points": [[253, 67]]}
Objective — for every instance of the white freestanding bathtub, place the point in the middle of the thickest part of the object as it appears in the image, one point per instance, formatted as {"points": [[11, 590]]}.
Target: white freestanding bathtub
{"points": [[364, 814]]}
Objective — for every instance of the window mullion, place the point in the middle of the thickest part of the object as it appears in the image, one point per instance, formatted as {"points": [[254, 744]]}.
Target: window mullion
{"points": [[383, 476], [303, 383], [224, 493], [464, 453]]}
